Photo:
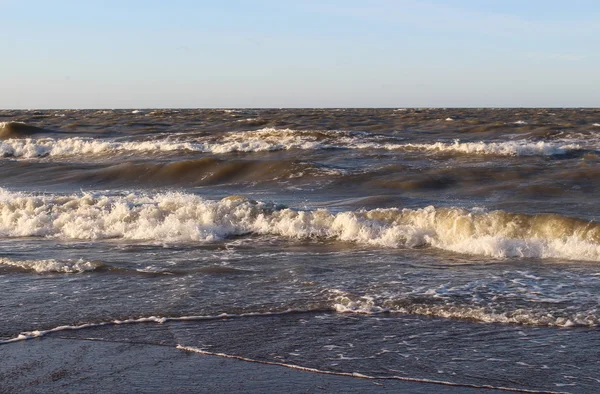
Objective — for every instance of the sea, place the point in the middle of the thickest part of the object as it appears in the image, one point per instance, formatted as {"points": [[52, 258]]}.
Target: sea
{"points": [[452, 246]]}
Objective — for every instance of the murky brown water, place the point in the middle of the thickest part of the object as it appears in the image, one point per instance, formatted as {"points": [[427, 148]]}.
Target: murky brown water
{"points": [[457, 245]]}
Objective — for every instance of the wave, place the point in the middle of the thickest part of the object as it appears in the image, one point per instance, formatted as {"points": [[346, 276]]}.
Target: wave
{"points": [[430, 305], [520, 317], [10, 130], [180, 217], [358, 375], [32, 148], [251, 141], [204, 171], [506, 148], [269, 139], [263, 140], [44, 266], [51, 265], [151, 319]]}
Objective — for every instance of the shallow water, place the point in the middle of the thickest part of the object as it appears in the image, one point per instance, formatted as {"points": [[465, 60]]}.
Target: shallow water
{"points": [[450, 245]]}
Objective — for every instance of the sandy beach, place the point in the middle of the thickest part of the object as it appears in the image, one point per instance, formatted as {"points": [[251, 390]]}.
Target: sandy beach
{"points": [[65, 365]]}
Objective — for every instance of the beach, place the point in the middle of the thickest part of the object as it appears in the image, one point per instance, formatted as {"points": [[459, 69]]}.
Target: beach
{"points": [[60, 365]]}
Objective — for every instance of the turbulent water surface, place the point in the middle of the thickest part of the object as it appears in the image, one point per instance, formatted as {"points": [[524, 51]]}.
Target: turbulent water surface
{"points": [[448, 245]]}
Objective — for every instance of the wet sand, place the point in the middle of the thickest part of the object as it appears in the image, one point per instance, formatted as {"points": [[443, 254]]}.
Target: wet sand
{"points": [[60, 365]]}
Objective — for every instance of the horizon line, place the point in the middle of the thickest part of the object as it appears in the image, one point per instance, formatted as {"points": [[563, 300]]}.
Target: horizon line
{"points": [[290, 107]]}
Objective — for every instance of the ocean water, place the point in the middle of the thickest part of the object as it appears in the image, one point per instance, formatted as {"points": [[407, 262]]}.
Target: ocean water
{"points": [[459, 246]]}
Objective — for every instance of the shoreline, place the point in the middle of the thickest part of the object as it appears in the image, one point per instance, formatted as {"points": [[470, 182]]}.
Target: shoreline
{"points": [[57, 365]]}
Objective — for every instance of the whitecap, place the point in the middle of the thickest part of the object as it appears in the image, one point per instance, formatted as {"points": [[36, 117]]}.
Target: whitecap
{"points": [[181, 217]]}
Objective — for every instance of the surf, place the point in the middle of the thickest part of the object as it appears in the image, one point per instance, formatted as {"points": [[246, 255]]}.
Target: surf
{"points": [[183, 217]]}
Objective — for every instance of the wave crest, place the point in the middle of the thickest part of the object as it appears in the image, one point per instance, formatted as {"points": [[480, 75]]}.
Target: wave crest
{"points": [[269, 139], [10, 130], [180, 217], [504, 148]]}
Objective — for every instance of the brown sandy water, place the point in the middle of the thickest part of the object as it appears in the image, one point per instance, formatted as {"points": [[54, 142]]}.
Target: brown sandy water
{"points": [[454, 245]]}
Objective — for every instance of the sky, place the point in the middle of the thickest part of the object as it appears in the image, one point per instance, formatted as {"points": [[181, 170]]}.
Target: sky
{"points": [[299, 53]]}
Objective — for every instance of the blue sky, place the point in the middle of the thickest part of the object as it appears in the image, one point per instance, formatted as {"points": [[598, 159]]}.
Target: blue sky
{"points": [[326, 53]]}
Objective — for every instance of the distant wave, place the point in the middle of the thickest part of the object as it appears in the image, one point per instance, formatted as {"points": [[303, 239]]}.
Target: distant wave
{"points": [[10, 130], [269, 139], [32, 148], [507, 148], [203, 171], [180, 217], [251, 141]]}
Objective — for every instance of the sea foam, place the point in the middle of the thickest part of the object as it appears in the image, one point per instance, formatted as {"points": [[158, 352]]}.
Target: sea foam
{"points": [[51, 265], [505, 148], [270, 139], [365, 305], [180, 217], [78, 146]]}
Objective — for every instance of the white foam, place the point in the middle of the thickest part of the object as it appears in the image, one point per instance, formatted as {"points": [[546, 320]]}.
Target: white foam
{"points": [[270, 139], [341, 303], [344, 302], [504, 148], [32, 148], [180, 217], [160, 320], [40, 333], [151, 319], [523, 317], [596, 124], [51, 265], [357, 375], [251, 141]]}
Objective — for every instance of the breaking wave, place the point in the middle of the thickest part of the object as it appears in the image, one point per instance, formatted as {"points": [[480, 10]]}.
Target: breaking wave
{"points": [[506, 148], [31, 148], [250, 141], [180, 217], [10, 130], [269, 139]]}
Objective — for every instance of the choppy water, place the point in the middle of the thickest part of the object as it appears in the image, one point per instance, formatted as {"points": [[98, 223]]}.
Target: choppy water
{"points": [[449, 245]]}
